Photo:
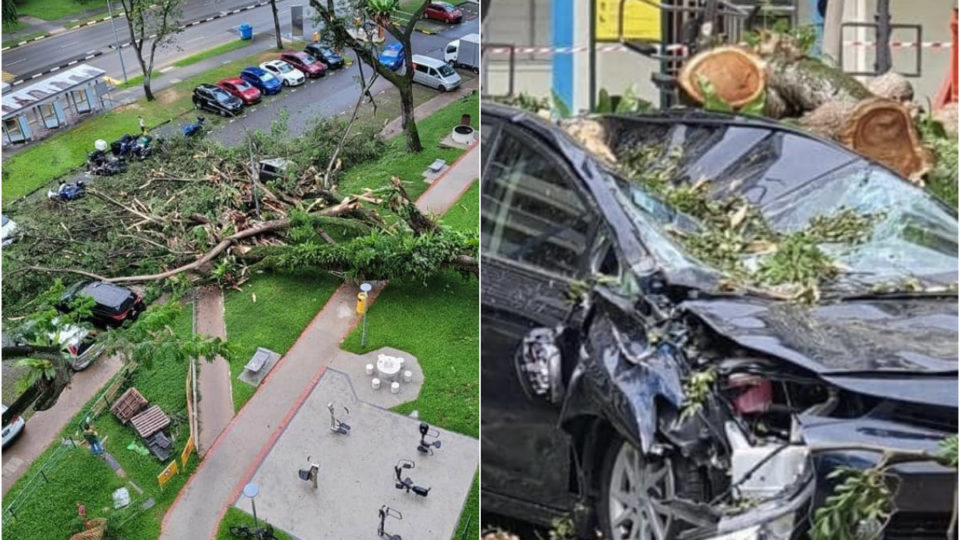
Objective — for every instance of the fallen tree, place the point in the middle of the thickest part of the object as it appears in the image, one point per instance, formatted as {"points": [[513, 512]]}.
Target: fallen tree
{"points": [[775, 75]]}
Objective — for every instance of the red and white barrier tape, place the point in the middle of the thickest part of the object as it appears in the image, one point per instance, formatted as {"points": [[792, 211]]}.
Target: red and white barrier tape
{"points": [[902, 44], [673, 49]]}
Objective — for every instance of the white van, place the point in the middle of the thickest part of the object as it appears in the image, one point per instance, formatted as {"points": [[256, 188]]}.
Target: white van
{"points": [[434, 73]]}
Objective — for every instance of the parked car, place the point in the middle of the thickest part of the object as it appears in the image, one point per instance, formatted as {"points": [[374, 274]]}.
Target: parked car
{"points": [[9, 230], [392, 56], [434, 73], [288, 75], [239, 88], [13, 429], [113, 306], [325, 54], [77, 343], [464, 52], [584, 401], [443, 12], [307, 64], [262, 80], [216, 99]]}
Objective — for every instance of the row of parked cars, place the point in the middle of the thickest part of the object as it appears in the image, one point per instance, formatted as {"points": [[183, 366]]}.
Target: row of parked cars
{"points": [[228, 96]]}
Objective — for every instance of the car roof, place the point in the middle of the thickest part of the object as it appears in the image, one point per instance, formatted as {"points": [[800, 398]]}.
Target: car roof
{"points": [[428, 61], [107, 294], [394, 45], [232, 80], [273, 63], [207, 86], [253, 70]]}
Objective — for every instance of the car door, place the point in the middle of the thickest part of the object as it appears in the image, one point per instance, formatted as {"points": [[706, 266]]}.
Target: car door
{"points": [[536, 226]]}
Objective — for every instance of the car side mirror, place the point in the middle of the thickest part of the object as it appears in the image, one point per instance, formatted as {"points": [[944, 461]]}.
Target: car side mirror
{"points": [[539, 364]]}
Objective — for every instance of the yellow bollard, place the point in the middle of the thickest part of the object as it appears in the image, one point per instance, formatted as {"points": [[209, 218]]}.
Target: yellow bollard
{"points": [[361, 303], [316, 37]]}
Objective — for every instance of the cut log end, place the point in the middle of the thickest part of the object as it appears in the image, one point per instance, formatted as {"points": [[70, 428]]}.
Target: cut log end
{"points": [[883, 130], [738, 75]]}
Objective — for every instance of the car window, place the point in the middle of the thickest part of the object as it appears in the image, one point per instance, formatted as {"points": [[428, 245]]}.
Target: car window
{"points": [[285, 68], [242, 86], [451, 48], [532, 212], [5, 220], [446, 70], [421, 68], [433, 73], [267, 77]]}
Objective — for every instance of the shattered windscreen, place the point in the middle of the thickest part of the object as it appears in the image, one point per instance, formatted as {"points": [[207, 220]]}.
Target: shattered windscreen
{"points": [[910, 241]]}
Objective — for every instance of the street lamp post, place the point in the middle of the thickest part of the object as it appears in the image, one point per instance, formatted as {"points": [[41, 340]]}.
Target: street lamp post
{"points": [[116, 37], [250, 491], [366, 288]]}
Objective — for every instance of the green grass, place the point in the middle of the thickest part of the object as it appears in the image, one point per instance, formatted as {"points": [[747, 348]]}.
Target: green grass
{"points": [[50, 10], [437, 322], [239, 517], [137, 81], [285, 305], [215, 51], [50, 510], [396, 161], [16, 40], [58, 155]]}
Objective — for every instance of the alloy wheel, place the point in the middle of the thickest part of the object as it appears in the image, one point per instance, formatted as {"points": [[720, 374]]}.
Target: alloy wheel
{"points": [[638, 489]]}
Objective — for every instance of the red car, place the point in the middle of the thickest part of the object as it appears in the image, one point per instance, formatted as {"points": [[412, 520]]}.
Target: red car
{"points": [[310, 66], [443, 11], [240, 88]]}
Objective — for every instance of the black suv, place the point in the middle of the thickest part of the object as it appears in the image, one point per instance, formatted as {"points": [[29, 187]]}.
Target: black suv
{"points": [[325, 54], [114, 304], [216, 99], [594, 319]]}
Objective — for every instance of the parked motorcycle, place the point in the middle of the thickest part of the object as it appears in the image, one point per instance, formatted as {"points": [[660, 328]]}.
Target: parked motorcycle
{"points": [[99, 163], [68, 192], [129, 147], [194, 129]]}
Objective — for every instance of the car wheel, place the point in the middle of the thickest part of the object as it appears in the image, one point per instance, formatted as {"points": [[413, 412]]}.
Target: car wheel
{"points": [[442, 88], [634, 490], [197, 106]]}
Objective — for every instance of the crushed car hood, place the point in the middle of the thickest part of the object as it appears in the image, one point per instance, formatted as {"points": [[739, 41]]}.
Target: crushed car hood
{"points": [[917, 336]]}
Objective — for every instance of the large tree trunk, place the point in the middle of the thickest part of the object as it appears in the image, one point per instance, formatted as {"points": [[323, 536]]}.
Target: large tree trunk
{"points": [[736, 74], [409, 121], [276, 23]]}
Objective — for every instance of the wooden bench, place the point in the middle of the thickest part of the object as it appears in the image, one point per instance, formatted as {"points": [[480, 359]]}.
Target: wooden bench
{"points": [[128, 405], [150, 421]]}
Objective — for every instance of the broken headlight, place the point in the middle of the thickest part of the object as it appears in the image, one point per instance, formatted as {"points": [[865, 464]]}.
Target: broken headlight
{"points": [[539, 365]]}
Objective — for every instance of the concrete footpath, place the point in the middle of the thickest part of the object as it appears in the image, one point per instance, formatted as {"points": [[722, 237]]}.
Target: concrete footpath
{"points": [[213, 382], [241, 447], [44, 427]]}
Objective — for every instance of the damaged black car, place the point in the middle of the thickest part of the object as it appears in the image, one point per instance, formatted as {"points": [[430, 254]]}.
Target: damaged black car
{"points": [[640, 380]]}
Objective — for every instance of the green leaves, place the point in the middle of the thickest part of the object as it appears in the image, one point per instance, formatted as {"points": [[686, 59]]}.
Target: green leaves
{"points": [[697, 388], [859, 506], [948, 450], [711, 101]]}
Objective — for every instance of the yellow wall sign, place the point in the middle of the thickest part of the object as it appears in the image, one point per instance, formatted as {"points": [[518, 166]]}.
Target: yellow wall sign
{"points": [[168, 473], [187, 450], [641, 20], [361, 302]]}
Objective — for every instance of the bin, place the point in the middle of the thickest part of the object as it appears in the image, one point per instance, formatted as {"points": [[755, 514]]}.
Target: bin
{"points": [[246, 31]]}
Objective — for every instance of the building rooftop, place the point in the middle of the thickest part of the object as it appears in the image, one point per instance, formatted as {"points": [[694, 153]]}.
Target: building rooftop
{"points": [[14, 102]]}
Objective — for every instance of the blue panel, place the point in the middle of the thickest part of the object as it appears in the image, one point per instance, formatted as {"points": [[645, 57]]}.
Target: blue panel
{"points": [[91, 99], [58, 110], [25, 127], [563, 33], [817, 22]]}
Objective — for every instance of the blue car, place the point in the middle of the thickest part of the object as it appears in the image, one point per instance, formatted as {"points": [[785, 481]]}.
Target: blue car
{"points": [[262, 80], [392, 56]]}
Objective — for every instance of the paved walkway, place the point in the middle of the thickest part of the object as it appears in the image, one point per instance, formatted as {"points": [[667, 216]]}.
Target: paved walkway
{"points": [[44, 427], [395, 126], [216, 395], [241, 447]]}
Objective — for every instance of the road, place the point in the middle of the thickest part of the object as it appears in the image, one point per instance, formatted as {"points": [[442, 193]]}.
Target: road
{"points": [[33, 61]]}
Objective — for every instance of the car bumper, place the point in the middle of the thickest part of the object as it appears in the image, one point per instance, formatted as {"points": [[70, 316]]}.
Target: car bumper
{"points": [[274, 90], [84, 360], [15, 431], [296, 82], [923, 499]]}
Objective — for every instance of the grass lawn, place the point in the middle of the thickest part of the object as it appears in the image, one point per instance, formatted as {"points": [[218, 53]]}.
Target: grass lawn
{"points": [[284, 305], [50, 510], [215, 51], [396, 161], [438, 322], [50, 10], [239, 517], [25, 37], [137, 81], [49, 159]]}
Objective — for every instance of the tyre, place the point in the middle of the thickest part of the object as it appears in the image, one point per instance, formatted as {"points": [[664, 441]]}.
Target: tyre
{"points": [[197, 106], [632, 490], [442, 88]]}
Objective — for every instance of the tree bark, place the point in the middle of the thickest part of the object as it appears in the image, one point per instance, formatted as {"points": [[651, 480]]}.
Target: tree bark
{"points": [[737, 75], [276, 24]]}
